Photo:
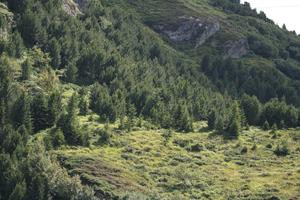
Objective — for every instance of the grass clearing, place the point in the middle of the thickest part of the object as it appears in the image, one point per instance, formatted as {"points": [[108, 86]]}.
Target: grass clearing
{"points": [[199, 165]]}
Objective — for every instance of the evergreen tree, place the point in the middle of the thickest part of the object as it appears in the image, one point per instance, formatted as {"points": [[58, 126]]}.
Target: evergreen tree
{"points": [[266, 126], [219, 124], [2, 113], [22, 112], [69, 124], [212, 119], [55, 107], [19, 191], [26, 70], [40, 112], [252, 108], [235, 124], [83, 102], [131, 113], [16, 46], [182, 118], [71, 72], [102, 103], [55, 50]]}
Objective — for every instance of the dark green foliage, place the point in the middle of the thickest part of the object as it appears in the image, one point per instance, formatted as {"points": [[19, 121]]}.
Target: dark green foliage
{"points": [[252, 108], [277, 111], [183, 121], [105, 135], [54, 52], [282, 150], [83, 102], [101, 103], [235, 123], [71, 72], [40, 113], [69, 124], [131, 114], [211, 119], [26, 70], [15, 46], [55, 106], [235, 6], [57, 137], [18, 192], [167, 134], [266, 126], [22, 113], [262, 47]]}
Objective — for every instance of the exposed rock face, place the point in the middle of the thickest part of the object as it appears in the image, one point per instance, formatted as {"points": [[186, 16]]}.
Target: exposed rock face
{"points": [[189, 29], [236, 49], [71, 8]]}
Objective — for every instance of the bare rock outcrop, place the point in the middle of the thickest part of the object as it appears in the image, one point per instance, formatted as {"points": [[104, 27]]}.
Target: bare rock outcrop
{"points": [[188, 29], [236, 48], [71, 8]]}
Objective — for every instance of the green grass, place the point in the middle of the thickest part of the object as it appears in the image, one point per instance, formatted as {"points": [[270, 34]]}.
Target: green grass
{"points": [[141, 163]]}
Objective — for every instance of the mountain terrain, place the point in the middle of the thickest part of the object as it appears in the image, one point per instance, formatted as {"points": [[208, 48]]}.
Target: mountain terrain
{"points": [[147, 99]]}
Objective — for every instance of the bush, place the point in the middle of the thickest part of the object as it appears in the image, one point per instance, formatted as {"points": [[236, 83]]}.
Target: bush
{"points": [[58, 138], [266, 126], [197, 147], [244, 150], [167, 135], [105, 136], [282, 150]]}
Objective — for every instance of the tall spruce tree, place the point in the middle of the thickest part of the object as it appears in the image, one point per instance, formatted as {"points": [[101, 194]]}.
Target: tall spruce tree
{"points": [[22, 112], [235, 124], [69, 124]]}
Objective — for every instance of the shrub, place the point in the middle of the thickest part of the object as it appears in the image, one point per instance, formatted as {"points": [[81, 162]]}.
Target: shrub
{"points": [[244, 150], [196, 147], [282, 150], [105, 136], [58, 138], [266, 126], [167, 135]]}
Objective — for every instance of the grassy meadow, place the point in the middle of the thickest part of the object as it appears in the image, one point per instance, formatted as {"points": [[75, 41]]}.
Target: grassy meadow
{"points": [[161, 164]]}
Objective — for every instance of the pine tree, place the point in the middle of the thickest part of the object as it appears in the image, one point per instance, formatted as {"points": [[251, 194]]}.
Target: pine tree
{"points": [[22, 112], [55, 51], [131, 113], [71, 72], [55, 107], [83, 102], [219, 124], [252, 108], [16, 46], [266, 126], [40, 113], [235, 124], [182, 118], [69, 124], [211, 119]]}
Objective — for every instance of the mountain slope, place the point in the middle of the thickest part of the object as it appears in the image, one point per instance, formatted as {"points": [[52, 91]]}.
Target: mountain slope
{"points": [[156, 82], [262, 45]]}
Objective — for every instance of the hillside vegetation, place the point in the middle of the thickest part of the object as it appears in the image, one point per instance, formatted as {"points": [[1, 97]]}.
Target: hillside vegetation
{"points": [[140, 99]]}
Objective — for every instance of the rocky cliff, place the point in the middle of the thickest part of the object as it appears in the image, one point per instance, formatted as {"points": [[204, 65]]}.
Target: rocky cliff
{"points": [[195, 31]]}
